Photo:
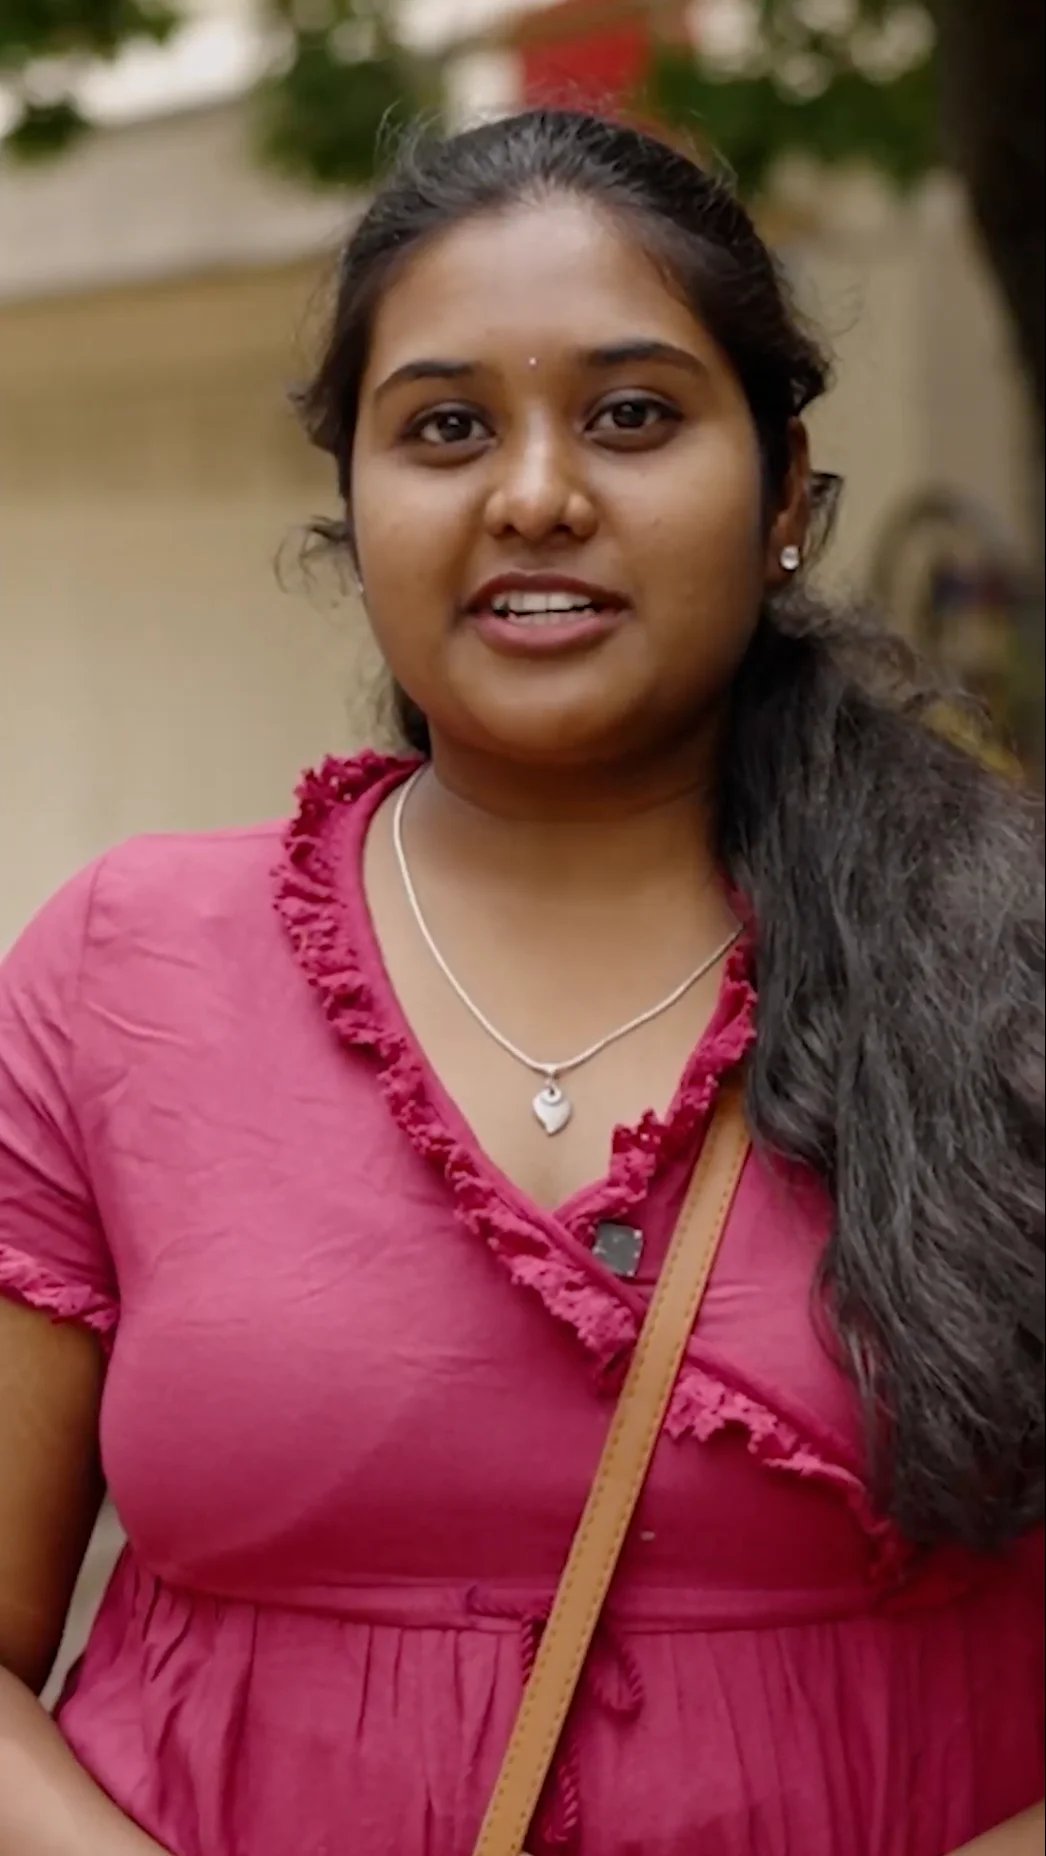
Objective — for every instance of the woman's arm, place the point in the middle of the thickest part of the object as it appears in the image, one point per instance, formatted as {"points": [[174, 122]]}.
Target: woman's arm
{"points": [[50, 1489], [48, 1805], [1021, 1836]]}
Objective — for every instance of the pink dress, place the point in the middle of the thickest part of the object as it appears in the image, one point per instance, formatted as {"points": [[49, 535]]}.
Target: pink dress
{"points": [[358, 1387]]}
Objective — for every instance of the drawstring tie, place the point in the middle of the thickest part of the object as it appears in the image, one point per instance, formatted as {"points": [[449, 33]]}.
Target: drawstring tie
{"points": [[611, 1678]]}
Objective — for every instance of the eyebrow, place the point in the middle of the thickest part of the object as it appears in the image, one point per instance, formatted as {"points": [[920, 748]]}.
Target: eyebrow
{"points": [[612, 354], [621, 354], [424, 370]]}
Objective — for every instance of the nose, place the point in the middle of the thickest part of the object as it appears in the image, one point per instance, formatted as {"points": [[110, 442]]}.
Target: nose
{"points": [[539, 490]]}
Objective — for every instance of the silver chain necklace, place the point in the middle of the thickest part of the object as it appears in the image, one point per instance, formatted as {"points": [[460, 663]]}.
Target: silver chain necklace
{"points": [[552, 1105]]}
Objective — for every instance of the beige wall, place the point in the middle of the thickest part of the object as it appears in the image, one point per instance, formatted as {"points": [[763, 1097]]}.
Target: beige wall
{"points": [[153, 674], [927, 393]]}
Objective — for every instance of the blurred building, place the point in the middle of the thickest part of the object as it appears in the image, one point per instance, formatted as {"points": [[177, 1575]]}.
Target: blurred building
{"points": [[158, 295]]}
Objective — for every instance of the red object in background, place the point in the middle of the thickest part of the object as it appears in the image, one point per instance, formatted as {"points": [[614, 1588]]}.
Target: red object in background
{"points": [[579, 64], [585, 53]]}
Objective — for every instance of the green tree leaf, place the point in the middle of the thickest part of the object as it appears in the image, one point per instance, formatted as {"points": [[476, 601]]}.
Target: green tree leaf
{"points": [[329, 115]]}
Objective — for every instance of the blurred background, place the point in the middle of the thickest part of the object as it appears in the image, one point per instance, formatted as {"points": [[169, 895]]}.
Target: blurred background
{"points": [[175, 179]]}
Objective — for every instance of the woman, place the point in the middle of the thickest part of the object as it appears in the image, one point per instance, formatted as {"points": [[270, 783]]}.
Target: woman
{"points": [[363, 1194]]}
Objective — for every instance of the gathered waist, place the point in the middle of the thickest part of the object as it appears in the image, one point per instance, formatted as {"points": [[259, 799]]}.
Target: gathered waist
{"points": [[493, 1605], [374, 1714]]}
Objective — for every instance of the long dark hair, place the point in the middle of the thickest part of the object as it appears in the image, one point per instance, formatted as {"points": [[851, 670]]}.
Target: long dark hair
{"points": [[896, 882]]}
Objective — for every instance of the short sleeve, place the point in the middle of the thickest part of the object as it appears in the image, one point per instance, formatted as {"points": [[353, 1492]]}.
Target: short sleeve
{"points": [[53, 1254]]}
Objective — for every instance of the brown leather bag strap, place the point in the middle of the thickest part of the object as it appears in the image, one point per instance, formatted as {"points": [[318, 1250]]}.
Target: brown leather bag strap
{"points": [[623, 1465]]}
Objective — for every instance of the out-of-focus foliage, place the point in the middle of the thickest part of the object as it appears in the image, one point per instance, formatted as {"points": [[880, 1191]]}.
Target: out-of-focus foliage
{"points": [[44, 45], [341, 88], [339, 81], [840, 81]]}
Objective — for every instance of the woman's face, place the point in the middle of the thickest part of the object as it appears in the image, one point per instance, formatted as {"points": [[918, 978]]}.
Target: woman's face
{"points": [[556, 493]]}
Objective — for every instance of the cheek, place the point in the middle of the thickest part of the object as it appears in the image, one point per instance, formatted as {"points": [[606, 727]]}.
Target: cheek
{"points": [[413, 537], [405, 550], [391, 542], [701, 558], [717, 502], [699, 531]]}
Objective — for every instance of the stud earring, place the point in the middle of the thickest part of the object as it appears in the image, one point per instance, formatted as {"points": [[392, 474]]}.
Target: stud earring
{"points": [[790, 558]]}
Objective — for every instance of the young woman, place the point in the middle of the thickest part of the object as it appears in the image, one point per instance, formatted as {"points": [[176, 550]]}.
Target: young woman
{"points": [[337, 1161]]}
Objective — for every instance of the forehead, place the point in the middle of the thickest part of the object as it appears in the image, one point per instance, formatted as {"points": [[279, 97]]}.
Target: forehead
{"points": [[555, 275]]}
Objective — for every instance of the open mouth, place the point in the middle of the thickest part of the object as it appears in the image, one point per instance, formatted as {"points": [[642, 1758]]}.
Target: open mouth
{"points": [[522, 613], [535, 623], [537, 609]]}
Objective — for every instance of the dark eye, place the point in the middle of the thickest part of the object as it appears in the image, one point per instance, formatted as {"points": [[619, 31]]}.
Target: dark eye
{"points": [[634, 416], [448, 425]]}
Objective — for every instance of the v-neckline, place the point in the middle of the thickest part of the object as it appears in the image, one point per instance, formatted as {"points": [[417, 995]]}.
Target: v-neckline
{"points": [[320, 899], [594, 1200]]}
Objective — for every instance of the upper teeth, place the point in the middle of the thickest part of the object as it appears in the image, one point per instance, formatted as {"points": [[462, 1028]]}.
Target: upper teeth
{"points": [[540, 602]]}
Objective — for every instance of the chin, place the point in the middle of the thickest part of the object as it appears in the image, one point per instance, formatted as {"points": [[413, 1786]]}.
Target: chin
{"points": [[551, 734], [567, 711]]}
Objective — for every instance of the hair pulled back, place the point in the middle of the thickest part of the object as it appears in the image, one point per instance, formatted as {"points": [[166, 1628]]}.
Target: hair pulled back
{"points": [[896, 882]]}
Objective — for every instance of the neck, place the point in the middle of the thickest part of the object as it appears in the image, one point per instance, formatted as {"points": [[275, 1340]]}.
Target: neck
{"points": [[570, 832]]}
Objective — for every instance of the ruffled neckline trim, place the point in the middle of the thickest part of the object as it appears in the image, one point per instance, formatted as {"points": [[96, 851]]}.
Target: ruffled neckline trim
{"points": [[329, 928]]}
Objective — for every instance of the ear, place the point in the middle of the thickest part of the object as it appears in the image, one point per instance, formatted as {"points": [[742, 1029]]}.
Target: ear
{"points": [[789, 530]]}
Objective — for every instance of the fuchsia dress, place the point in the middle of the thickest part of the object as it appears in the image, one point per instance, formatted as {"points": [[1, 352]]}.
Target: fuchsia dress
{"points": [[357, 1390]]}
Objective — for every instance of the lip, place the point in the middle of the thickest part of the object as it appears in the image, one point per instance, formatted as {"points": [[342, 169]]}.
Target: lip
{"points": [[567, 631], [523, 582]]}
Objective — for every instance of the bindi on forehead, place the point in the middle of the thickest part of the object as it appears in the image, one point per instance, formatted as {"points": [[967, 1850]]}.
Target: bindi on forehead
{"points": [[462, 297], [604, 359]]}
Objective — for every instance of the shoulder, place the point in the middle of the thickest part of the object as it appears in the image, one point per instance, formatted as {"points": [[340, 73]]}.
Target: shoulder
{"points": [[132, 914], [161, 877], [164, 895], [150, 879]]}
